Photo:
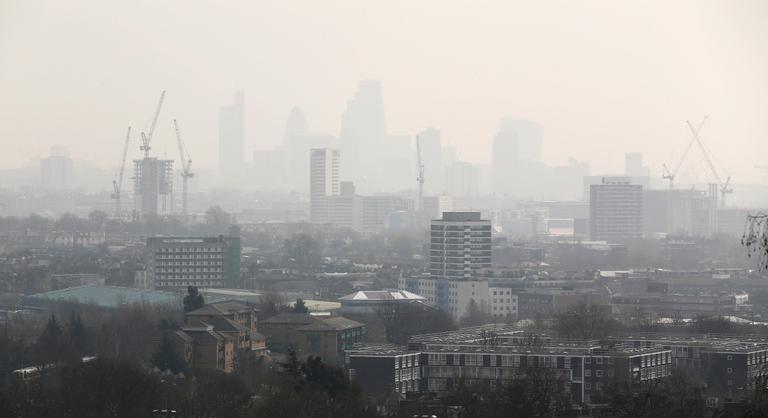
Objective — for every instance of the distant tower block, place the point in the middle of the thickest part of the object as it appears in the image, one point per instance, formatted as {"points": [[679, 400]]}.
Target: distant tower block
{"points": [[153, 186]]}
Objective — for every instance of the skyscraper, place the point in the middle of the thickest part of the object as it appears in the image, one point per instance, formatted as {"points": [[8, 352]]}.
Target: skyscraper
{"points": [[232, 137], [517, 141], [615, 209], [56, 170], [363, 127], [323, 182]]}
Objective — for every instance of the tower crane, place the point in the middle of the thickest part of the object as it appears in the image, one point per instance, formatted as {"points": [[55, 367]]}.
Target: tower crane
{"points": [[420, 177], [722, 185], [146, 139], [670, 175], [186, 172], [117, 184]]}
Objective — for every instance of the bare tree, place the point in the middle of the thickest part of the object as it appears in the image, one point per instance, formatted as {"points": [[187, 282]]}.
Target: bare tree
{"points": [[755, 238]]}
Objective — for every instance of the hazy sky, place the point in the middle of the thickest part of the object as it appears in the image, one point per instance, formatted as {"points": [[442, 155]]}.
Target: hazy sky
{"points": [[603, 77]]}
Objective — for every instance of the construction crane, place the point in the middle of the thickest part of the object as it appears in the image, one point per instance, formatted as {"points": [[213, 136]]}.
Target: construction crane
{"points": [[420, 178], [670, 175], [722, 185], [186, 173], [117, 184], [147, 139]]}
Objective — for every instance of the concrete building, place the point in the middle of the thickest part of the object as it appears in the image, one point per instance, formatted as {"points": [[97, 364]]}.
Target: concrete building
{"points": [[384, 369], [178, 262], [503, 303], [676, 212], [615, 210], [460, 246], [232, 137], [460, 250], [153, 186], [56, 170], [545, 302], [490, 356], [323, 183]]}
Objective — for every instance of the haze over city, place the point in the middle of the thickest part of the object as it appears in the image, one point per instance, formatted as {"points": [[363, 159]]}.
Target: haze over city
{"points": [[384, 209], [602, 77]]}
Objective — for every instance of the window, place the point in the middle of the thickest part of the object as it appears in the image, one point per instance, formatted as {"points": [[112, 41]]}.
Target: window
{"points": [[730, 357], [730, 370], [587, 386], [599, 360], [473, 360], [587, 360], [598, 387], [587, 373], [598, 373]]}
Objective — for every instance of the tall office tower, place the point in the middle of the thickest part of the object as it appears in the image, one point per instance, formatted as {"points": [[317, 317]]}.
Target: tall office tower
{"points": [[56, 170], [432, 158], [363, 127], [615, 209], [232, 137], [517, 141], [323, 182], [463, 179], [178, 262], [153, 186], [633, 165], [460, 246], [297, 141]]}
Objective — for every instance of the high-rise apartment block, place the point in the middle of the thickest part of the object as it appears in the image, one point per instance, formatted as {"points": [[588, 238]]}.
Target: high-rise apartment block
{"points": [[460, 246], [324, 183], [178, 262], [615, 209]]}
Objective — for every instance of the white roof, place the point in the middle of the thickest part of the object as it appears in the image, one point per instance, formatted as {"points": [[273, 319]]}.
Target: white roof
{"points": [[382, 295]]}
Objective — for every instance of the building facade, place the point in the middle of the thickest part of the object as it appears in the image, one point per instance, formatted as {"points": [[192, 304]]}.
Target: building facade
{"points": [[179, 262], [324, 183], [460, 246], [615, 209]]}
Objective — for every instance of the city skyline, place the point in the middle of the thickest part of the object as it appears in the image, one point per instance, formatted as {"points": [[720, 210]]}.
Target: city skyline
{"points": [[614, 99]]}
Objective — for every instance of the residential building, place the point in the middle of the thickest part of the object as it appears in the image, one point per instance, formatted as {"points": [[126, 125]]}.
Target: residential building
{"points": [[179, 262], [503, 303], [323, 183], [384, 369], [460, 246], [545, 302], [238, 319], [616, 210], [326, 337], [491, 356]]}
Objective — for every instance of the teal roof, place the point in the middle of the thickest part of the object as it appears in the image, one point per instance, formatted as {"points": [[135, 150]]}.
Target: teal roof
{"points": [[104, 296]]}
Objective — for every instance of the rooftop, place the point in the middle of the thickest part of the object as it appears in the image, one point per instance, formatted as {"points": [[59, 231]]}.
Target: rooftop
{"points": [[381, 295], [104, 296]]}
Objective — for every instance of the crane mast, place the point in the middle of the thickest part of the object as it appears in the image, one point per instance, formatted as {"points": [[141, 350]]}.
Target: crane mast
{"points": [[117, 184], [420, 178], [186, 173], [147, 139], [670, 175], [722, 185]]}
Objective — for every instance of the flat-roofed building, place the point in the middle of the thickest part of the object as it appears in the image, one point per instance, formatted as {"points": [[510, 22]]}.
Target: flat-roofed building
{"points": [[179, 262]]}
